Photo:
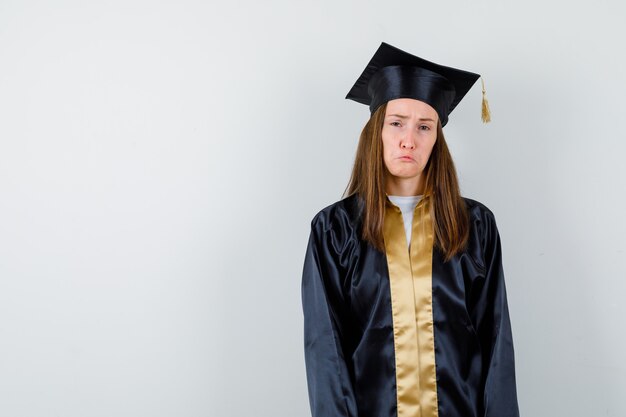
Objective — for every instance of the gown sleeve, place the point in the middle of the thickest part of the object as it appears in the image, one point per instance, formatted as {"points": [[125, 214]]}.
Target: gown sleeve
{"points": [[329, 385], [494, 329]]}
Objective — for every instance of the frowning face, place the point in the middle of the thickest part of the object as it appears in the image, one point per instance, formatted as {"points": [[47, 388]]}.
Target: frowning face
{"points": [[409, 134]]}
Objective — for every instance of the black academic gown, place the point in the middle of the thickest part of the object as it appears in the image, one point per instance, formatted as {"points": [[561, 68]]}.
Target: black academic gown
{"points": [[352, 353]]}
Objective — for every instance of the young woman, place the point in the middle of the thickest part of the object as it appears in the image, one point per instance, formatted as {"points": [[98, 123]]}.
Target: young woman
{"points": [[405, 310]]}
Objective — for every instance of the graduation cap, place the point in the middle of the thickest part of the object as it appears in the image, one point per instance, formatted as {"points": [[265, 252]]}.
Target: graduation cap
{"points": [[393, 73]]}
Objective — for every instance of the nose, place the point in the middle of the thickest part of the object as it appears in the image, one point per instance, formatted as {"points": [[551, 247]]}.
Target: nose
{"points": [[408, 142]]}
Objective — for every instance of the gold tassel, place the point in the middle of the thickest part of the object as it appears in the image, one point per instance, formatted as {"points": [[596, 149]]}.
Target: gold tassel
{"points": [[486, 113]]}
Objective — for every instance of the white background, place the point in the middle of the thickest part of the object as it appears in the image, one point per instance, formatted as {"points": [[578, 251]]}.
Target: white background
{"points": [[160, 163]]}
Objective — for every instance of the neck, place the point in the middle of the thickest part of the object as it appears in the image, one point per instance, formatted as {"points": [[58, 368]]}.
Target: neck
{"points": [[404, 186]]}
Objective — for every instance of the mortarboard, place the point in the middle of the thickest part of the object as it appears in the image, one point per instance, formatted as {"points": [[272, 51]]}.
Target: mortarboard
{"points": [[393, 73]]}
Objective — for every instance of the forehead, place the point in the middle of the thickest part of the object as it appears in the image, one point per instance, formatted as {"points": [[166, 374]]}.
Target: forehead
{"points": [[410, 107]]}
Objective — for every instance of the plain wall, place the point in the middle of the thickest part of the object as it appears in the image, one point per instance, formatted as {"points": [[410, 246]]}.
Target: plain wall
{"points": [[160, 163]]}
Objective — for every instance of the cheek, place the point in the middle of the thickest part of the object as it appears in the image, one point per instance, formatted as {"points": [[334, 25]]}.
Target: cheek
{"points": [[387, 142], [425, 151], [430, 145]]}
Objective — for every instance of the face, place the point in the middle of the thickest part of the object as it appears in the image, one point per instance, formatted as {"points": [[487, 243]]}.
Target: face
{"points": [[409, 134]]}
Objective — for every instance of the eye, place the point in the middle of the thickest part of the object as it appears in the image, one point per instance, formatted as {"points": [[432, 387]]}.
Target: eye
{"points": [[424, 127], [395, 124]]}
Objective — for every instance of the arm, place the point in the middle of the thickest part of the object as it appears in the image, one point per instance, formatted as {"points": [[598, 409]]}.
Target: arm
{"points": [[494, 329], [330, 389]]}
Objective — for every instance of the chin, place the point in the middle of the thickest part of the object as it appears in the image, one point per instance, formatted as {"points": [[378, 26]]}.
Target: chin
{"points": [[405, 174]]}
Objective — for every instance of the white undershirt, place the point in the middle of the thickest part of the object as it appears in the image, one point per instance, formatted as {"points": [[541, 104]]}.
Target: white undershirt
{"points": [[407, 207]]}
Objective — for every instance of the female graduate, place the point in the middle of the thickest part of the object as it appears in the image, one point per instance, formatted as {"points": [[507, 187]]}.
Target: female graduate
{"points": [[405, 309]]}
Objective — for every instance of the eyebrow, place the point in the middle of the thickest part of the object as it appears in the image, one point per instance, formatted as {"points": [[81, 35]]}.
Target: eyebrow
{"points": [[402, 116]]}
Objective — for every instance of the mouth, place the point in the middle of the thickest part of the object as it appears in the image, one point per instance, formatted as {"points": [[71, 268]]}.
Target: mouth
{"points": [[406, 158]]}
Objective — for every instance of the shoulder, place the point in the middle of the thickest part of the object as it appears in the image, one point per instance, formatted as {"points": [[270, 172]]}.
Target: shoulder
{"points": [[478, 211], [340, 220], [482, 221], [342, 212]]}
